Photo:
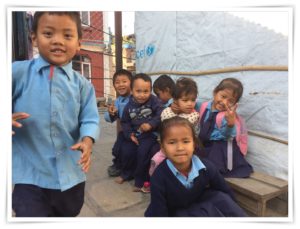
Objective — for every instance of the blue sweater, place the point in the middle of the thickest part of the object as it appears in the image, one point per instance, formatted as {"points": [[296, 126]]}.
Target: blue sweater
{"points": [[168, 195], [135, 114]]}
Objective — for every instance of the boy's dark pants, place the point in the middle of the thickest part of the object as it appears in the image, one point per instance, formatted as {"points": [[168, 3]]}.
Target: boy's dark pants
{"points": [[33, 201], [116, 150], [140, 156]]}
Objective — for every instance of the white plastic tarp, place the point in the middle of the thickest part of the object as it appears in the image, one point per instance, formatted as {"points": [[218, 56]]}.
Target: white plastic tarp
{"points": [[197, 41]]}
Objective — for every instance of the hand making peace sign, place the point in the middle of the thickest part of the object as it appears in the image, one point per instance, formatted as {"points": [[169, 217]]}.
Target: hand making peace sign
{"points": [[230, 114]]}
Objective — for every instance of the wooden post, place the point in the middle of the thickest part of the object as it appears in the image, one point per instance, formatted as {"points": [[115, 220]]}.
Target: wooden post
{"points": [[118, 40], [118, 51]]}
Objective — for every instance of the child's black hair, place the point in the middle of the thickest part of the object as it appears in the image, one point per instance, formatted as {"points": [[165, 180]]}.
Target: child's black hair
{"points": [[122, 72], [75, 16], [177, 121], [142, 76], [232, 84], [185, 86], [163, 83]]}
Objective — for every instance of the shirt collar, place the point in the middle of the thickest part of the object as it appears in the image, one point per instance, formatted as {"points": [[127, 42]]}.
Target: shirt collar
{"points": [[209, 106], [197, 165], [42, 63], [123, 98], [167, 104], [68, 70]]}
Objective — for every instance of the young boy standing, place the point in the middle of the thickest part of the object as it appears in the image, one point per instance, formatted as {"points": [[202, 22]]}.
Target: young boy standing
{"points": [[140, 120], [121, 81], [52, 149]]}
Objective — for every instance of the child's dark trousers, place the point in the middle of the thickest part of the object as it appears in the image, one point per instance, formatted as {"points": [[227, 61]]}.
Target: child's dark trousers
{"points": [[33, 201]]}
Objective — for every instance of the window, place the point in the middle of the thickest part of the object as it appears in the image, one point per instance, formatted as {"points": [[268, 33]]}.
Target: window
{"points": [[82, 64], [85, 18]]}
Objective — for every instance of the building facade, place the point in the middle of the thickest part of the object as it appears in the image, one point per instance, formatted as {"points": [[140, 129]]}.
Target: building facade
{"points": [[89, 61]]}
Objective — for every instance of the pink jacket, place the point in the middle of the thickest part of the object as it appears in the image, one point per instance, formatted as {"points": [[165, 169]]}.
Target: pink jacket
{"points": [[241, 129]]}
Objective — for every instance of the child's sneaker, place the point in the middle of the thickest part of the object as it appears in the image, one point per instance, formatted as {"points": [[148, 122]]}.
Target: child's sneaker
{"points": [[146, 187], [113, 171]]}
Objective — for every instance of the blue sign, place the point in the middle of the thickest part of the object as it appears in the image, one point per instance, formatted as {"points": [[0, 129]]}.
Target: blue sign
{"points": [[147, 51]]}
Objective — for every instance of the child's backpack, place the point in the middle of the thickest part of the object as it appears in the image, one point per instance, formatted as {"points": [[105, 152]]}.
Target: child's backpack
{"points": [[241, 129]]}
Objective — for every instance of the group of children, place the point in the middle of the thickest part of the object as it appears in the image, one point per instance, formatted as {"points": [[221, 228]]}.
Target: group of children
{"points": [[183, 123], [55, 123]]}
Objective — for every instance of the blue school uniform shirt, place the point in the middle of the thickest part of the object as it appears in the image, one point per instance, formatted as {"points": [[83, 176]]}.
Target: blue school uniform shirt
{"points": [[62, 111], [188, 182], [222, 133], [120, 103], [167, 104], [197, 105]]}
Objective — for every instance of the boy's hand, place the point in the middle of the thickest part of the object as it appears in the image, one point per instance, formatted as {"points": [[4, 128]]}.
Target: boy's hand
{"points": [[112, 110], [85, 146], [175, 108], [16, 116], [230, 114], [145, 127], [134, 139]]}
